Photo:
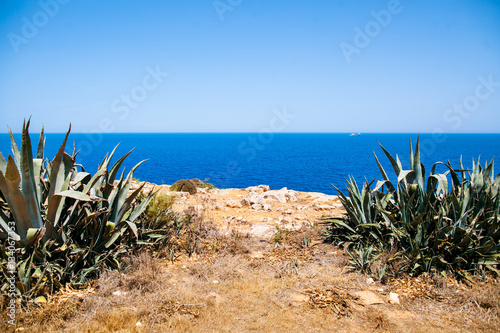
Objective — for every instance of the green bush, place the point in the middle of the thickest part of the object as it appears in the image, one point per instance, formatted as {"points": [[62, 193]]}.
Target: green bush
{"points": [[446, 222], [184, 185], [159, 208], [202, 184], [197, 182]]}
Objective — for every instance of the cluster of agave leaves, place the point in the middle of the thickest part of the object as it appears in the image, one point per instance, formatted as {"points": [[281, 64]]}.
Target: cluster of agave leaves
{"points": [[446, 222], [65, 224]]}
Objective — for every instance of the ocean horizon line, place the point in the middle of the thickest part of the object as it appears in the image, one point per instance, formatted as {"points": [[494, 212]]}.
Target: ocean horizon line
{"points": [[277, 133]]}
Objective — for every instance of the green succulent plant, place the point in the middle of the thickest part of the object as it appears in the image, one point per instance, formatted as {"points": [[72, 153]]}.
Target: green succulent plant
{"points": [[65, 224], [446, 221]]}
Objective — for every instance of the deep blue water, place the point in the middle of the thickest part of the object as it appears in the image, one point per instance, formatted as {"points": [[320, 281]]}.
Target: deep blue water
{"points": [[304, 162]]}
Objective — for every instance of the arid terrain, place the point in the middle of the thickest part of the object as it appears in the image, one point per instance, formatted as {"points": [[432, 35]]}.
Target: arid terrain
{"points": [[262, 266]]}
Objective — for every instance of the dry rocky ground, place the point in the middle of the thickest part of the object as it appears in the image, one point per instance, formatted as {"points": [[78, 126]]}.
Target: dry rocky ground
{"points": [[262, 267], [258, 211]]}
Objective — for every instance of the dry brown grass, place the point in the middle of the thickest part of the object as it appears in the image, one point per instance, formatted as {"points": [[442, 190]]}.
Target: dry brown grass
{"points": [[242, 284]]}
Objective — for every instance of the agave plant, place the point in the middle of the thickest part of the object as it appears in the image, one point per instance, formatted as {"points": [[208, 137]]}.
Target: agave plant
{"points": [[432, 222], [66, 224], [361, 212]]}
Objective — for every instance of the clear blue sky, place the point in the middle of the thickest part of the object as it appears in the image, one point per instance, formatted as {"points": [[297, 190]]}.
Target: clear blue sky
{"points": [[230, 63]]}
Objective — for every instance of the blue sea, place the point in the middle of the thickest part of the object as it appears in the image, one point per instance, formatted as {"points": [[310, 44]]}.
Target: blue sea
{"points": [[304, 162]]}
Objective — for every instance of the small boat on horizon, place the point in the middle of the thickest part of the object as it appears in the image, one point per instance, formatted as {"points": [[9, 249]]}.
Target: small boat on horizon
{"points": [[355, 134]]}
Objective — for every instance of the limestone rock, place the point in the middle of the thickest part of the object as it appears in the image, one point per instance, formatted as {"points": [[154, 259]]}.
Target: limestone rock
{"points": [[256, 206], [393, 298], [234, 204], [216, 206], [241, 220], [261, 207], [258, 189], [254, 198], [284, 195], [235, 220], [261, 230]]}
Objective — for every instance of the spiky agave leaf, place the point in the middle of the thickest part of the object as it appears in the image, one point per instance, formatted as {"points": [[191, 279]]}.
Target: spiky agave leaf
{"points": [[16, 201], [441, 226]]}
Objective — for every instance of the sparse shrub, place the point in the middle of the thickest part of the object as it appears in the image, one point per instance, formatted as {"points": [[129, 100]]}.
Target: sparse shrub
{"points": [[159, 208], [184, 185], [281, 234]]}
